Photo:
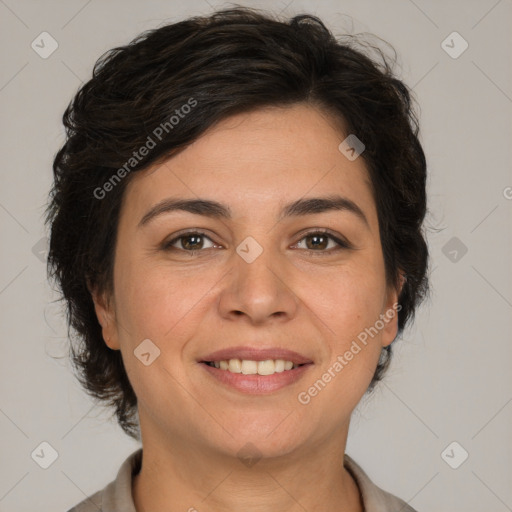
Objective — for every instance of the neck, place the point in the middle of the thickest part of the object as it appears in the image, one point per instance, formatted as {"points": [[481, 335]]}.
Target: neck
{"points": [[181, 476]]}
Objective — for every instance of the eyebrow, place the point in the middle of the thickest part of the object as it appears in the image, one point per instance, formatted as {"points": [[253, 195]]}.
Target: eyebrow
{"points": [[208, 208]]}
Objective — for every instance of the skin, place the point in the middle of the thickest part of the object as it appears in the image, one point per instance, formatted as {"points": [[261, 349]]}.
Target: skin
{"points": [[312, 301]]}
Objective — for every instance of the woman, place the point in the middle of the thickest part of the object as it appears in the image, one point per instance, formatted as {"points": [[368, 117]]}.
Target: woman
{"points": [[236, 226]]}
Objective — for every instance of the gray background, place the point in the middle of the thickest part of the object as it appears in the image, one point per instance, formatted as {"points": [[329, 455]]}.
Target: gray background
{"points": [[450, 379]]}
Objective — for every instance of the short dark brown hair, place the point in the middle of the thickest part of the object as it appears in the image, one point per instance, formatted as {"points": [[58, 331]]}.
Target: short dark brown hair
{"points": [[232, 61]]}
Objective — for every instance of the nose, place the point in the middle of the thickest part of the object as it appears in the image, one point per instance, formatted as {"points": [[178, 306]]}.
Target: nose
{"points": [[260, 291]]}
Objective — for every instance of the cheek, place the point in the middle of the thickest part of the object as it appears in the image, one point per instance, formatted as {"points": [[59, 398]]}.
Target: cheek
{"points": [[347, 300], [349, 303], [152, 306], [159, 303]]}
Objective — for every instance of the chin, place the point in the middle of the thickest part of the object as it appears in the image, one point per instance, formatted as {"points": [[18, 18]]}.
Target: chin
{"points": [[267, 438]]}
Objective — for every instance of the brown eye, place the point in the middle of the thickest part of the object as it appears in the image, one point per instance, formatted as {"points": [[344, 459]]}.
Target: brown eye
{"points": [[192, 242], [189, 242], [319, 241]]}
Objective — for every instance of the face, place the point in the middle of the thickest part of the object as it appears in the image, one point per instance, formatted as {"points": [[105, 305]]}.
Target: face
{"points": [[253, 278]]}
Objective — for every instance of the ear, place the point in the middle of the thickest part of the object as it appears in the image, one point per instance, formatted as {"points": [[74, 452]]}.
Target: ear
{"points": [[390, 312], [105, 312]]}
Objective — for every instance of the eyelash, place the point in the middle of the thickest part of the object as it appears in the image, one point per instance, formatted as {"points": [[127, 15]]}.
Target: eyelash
{"points": [[343, 245]]}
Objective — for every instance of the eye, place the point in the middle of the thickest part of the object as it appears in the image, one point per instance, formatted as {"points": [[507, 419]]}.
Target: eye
{"points": [[322, 241], [319, 241], [190, 242]]}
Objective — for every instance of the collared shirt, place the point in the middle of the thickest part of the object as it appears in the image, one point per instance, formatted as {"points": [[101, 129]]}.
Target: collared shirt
{"points": [[117, 495]]}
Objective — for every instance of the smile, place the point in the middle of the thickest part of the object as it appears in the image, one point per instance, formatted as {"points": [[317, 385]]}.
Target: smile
{"points": [[250, 367]]}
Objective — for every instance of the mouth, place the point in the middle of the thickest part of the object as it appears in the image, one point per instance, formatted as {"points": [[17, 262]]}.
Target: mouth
{"points": [[255, 371]]}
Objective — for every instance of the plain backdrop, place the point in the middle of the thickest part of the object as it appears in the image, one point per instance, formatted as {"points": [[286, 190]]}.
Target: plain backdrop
{"points": [[450, 380]]}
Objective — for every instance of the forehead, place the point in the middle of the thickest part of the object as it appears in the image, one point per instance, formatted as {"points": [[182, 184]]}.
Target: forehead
{"points": [[261, 159]]}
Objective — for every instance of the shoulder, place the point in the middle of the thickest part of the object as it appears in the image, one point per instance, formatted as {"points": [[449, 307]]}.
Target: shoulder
{"points": [[90, 504], [374, 498], [117, 495]]}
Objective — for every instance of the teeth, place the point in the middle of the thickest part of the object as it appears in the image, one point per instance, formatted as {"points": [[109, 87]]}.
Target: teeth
{"points": [[266, 367], [279, 366], [235, 366], [248, 367]]}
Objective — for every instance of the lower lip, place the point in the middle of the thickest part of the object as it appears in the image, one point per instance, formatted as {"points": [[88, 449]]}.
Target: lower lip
{"points": [[257, 384]]}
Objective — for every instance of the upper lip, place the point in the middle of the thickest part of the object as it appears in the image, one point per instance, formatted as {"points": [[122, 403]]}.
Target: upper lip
{"points": [[255, 354]]}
